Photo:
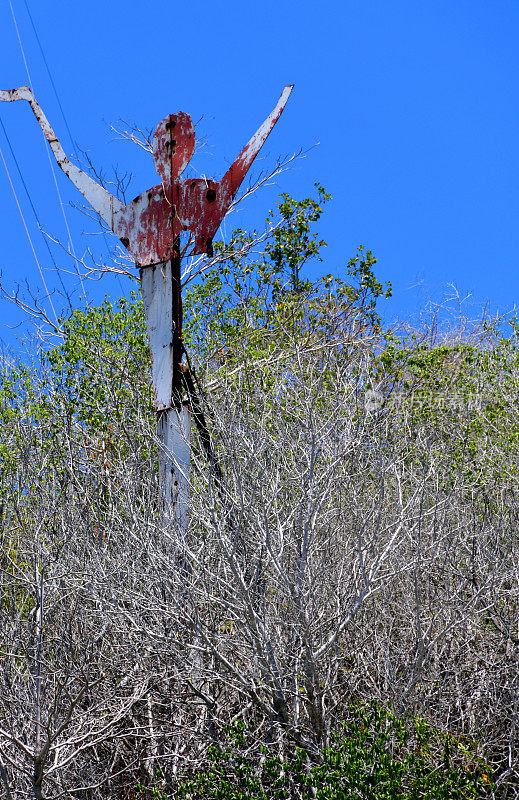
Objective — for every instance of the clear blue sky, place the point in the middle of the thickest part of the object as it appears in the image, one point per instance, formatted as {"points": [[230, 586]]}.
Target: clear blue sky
{"points": [[414, 104]]}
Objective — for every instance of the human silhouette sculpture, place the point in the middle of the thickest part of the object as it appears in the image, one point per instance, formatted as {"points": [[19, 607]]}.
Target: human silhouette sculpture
{"points": [[149, 227]]}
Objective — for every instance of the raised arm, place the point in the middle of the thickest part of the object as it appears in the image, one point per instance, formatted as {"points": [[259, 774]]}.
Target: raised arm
{"points": [[232, 179], [101, 201]]}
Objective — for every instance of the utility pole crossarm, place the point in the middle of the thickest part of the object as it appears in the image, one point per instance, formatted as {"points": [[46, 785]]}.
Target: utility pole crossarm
{"points": [[105, 204]]}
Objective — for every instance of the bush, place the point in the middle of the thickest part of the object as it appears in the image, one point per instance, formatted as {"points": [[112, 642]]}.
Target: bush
{"points": [[373, 756]]}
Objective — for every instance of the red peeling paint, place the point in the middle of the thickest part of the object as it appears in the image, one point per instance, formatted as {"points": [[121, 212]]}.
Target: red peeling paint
{"points": [[150, 225]]}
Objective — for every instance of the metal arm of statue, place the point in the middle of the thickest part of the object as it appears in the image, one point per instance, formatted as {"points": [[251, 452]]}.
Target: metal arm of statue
{"points": [[234, 176], [105, 204]]}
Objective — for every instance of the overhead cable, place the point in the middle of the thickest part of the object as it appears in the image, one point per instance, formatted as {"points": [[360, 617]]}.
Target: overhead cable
{"points": [[28, 234], [50, 77], [47, 148], [29, 198]]}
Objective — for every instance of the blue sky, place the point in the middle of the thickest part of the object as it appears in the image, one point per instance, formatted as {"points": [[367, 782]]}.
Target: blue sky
{"points": [[412, 106]]}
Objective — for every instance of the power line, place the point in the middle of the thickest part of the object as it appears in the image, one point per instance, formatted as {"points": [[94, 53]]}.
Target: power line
{"points": [[72, 142], [50, 78], [29, 198], [47, 149], [27, 232], [20, 43]]}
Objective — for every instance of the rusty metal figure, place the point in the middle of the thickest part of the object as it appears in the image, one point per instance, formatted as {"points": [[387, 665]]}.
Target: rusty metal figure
{"points": [[150, 228]]}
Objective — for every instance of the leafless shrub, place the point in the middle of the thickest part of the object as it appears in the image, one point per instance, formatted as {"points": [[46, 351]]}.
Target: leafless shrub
{"points": [[343, 554]]}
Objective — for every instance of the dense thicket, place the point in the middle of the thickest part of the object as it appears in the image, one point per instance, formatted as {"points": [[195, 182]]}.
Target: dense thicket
{"points": [[359, 554]]}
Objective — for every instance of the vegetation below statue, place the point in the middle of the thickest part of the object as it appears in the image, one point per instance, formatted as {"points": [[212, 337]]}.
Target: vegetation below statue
{"points": [[354, 548]]}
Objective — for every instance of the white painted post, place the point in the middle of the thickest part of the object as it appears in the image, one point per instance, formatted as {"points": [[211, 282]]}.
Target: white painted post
{"points": [[173, 417], [174, 432]]}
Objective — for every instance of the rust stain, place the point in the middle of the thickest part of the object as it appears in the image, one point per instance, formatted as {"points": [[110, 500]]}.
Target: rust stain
{"points": [[149, 226]]}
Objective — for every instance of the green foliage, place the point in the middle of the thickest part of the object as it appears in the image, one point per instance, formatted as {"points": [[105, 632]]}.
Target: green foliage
{"points": [[293, 241], [102, 367], [367, 288], [250, 307], [15, 392], [373, 756], [461, 394], [244, 310]]}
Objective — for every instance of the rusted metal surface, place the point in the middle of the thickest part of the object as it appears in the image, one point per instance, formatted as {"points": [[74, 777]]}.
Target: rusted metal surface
{"points": [[149, 226]]}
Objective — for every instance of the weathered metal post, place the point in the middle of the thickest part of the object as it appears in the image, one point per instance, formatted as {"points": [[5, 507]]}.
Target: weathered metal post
{"points": [[150, 228], [161, 291]]}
